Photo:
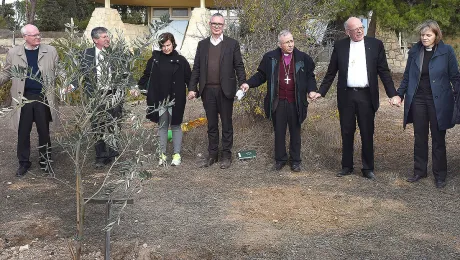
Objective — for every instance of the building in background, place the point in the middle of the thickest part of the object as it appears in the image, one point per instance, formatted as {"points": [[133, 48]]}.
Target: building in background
{"points": [[189, 20]]}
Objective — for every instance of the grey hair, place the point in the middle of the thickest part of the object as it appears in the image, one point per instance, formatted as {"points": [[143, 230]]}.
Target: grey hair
{"points": [[97, 31], [345, 24], [23, 29], [282, 34], [216, 15]]}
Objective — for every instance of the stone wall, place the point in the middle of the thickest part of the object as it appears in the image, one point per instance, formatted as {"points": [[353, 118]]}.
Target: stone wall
{"points": [[396, 55], [196, 31], [108, 18], [132, 31]]}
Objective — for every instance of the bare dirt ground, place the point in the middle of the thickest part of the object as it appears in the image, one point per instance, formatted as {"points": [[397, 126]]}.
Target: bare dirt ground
{"points": [[248, 211]]}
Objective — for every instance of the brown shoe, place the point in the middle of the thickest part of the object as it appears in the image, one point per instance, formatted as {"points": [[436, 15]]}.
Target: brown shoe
{"points": [[209, 161], [225, 163]]}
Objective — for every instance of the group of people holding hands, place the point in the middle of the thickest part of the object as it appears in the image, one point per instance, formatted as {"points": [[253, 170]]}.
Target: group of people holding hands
{"points": [[427, 90]]}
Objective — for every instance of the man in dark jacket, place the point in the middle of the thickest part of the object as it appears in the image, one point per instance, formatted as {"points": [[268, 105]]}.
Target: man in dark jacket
{"points": [[100, 80], [217, 66], [359, 60], [289, 74]]}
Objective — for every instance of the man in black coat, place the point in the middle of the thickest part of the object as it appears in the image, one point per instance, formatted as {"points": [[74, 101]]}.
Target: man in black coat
{"points": [[217, 67], [100, 79], [358, 60], [289, 74]]}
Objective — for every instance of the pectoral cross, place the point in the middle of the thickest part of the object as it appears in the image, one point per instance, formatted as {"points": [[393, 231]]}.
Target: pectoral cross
{"points": [[287, 79]]}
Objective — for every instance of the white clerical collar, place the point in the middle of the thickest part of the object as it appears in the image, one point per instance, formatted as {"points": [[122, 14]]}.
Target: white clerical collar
{"points": [[29, 49], [353, 42]]}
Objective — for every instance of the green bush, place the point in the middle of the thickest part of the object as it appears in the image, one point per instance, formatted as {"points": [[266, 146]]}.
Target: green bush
{"points": [[456, 47], [138, 70], [5, 92], [82, 24], [77, 45], [3, 23]]}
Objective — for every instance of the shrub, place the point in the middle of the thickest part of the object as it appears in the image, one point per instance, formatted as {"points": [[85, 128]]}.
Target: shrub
{"points": [[82, 24], [138, 70], [5, 92], [456, 47]]}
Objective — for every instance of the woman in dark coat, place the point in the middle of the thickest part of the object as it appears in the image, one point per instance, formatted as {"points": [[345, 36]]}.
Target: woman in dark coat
{"points": [[165, 79], [427, 89]]}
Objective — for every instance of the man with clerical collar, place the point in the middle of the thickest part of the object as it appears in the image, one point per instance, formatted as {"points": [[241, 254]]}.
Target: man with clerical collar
{"points": [[39, 63], [290, 77], [358, 59], [217, 67]]}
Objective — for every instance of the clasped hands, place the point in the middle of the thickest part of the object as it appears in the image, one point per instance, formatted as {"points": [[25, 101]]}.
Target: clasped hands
{"points": [[312, 95], [395, 101], [135, 91]]}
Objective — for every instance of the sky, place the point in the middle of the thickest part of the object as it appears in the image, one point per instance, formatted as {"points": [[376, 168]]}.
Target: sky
{"points": [[8, 1]]}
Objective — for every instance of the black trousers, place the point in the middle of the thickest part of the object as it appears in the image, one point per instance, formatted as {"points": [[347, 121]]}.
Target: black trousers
{"points": [[358, 107], [285, 116], [424, 117], [104, 123], [216, 103], [40, 114]]}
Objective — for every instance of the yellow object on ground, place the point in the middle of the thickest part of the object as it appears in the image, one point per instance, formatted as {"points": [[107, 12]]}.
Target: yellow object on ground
{"points": [[193, 124]]}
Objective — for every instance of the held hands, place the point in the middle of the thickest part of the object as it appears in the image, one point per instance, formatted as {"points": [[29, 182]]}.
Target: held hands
{"points": [[314, 95], [134, 91], [242, 91], [191, 95], [244, 87], [67, 90], [395, 101]]}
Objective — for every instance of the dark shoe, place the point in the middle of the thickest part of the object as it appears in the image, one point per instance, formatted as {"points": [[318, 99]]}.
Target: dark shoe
{"points": [[225, 163], [295, 167], [108, 161], [369, 175], [99, 163], [112, 153], [415, 178], [209, 161], [440, 184], [345, 172], [22, 170], [278, 166]]}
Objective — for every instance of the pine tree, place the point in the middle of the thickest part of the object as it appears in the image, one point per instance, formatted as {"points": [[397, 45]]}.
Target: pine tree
{"points": [[50, 16]]}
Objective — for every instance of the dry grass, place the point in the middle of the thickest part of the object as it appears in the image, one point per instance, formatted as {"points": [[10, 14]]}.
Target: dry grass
{"points": [[250, 212]]}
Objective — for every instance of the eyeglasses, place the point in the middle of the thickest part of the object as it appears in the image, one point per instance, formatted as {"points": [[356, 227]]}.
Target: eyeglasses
{"points": [[356, 29], [217, 25], [33, 35]]}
